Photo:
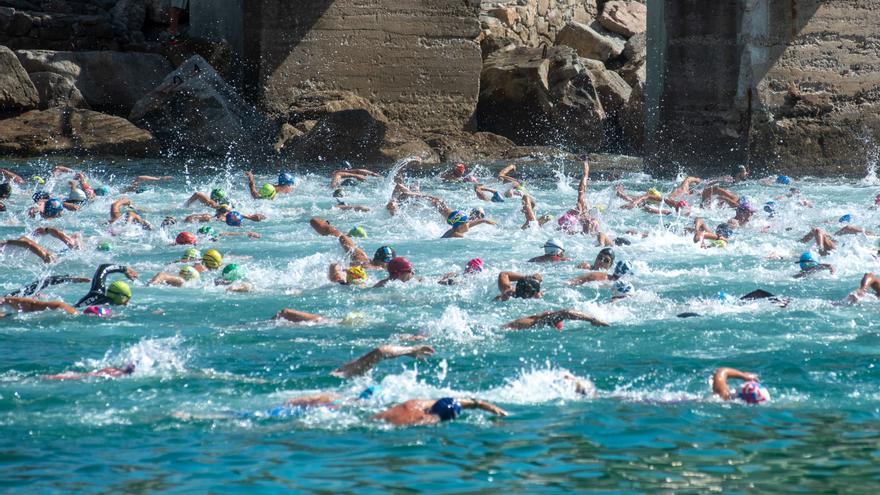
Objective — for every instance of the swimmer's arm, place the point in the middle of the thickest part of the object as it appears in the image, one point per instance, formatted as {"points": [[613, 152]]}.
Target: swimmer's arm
{"points": [[312, 400], [528, 209], [61, 169], [369, 360], [28, 304], [163, 278], [719, 380], [364, 171], [116, 208], [589, 277], [505, 285], [582, 188], [479, 221], [11, 176], [31, 246], [580, 386], [58, 234], [481, 404], [254, 217], [253, 187], [503, 174], [203, 198], [335, 273]]}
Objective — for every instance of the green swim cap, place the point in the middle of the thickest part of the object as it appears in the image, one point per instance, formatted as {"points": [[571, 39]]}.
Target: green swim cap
{"points": [[218, 195], [267, 191], [233, 272], [189, 273], [38, 179], [192, 254], [206, 230], [357, 232], [119, 292], [105, 246]]}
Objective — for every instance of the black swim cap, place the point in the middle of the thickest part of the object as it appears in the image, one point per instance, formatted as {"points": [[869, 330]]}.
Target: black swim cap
{"points": [[527, 288], [5, 190], [607, 251]]}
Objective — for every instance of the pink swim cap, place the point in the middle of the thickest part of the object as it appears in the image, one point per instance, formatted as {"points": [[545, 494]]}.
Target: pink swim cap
{"points": [[399, 266], [99, 311], [474, 266]]}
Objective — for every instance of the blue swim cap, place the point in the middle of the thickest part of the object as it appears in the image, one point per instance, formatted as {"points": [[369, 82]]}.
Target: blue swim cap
{"points": [[102, 191], [384, 254], [234, 219], [447, 408], [496, 197], [456, 218], [621, 288], [770, 207], [622, 268], [369, 392], [40, 196], [846, 218], [286, 179], [807, 261], [53, 207], [724, 231], [783, 179]]}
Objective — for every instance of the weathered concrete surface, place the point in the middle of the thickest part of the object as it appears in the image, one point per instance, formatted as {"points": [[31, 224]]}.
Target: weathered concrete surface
{"points": [[415, 59]]}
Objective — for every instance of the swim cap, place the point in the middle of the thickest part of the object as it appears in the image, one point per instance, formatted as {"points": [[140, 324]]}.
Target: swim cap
{"points": [[5, 190], [470, 178], [807, 261], [232, 272], [52, 207], [554, 247], [478, 213], [654, 193], [38, 179], [40, 196], [234, 219], [186, 238], [606, 252], [384, 254], [348, 182], [744, 204], [356, 275], [621, 288], [527, 288], [770, 207], [877, 199], [191, 254], [783, 179], [99, 311], [622, 268], [206, 230], [369, 392], [399, 266], [497, 198], [545, 218], [754, 393], [189, 273], [102, 191], [119, 292], [446, 408], [718, 243], [724, 230], [568, 221], [286, 179], [474, 266], [105, 246], [77, 195], [357, 232], [681, 204], [458, 169], [267, 191], [338, 193], [846, 218], [218, 195], [212, 259], [456, 218], [223, 209]]}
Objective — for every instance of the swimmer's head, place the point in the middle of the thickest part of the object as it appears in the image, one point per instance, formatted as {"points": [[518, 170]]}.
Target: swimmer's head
{"points": [[497, 197], [753, 393], [456, 218], [877, 199], [383, 255], [846, 218], [338, 193], [370, 392], [234, 219], [267, 191], [473, 266], [102, 191], [52, 208], [470, 178], [357, 231], [212, 259], [119, 292], [186, 238], [724, 231], [38, 179], [783, 179], [622, 241], [458, 169], [527, 288], [446, 409], [191, 254], [399, 267], [744, 205], [621, 289], [99, 311], [218, 195], [286, 179], [233, 273], [554, 247], [189, 273], [348, 182], [680, 204], [356, 276], [770, 207], [40, 196], [604, 259], [622, 268], [169, 220], [653, 193], [77, 194], [544, 219], [718, 243], [206, 230], [5, 190], [807, 261], [105, 246], [478, 213]]}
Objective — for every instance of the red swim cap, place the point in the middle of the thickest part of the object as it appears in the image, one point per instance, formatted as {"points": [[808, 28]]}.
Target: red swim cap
{"points": [[399, 266], [186, 238], [459, 168]]}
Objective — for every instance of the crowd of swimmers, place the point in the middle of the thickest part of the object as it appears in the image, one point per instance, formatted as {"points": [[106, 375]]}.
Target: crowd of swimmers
{"points": [[580, 220]]}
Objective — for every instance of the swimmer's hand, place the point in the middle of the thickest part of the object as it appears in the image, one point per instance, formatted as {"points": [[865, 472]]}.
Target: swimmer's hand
{"points": [[131, 273], [585, 266], [421, 352]]}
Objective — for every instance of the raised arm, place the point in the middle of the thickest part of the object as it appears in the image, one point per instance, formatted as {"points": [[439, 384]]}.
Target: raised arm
{"points": [[71, 242], [116, 208], [582, 189], [251, 185], [11, 176], [369, 360], [528, 209], [719, 380], [31, 246]]}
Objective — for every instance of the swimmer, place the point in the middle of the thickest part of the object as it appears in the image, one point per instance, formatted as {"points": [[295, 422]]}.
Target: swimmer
{"points": [[352, 276], [472, 267], [460, 224], [527, 286], [417, 412], [218, 197], [579, 220], [285, 184], [824, 242], [117, 293], [853, 230], [486, 194], [72, 242], [233, 276], [869, 282], [267, 191], [809, 266], [752, 392], [30, 305], [517, 188], [358, 256], [368, 361], [47, 209], [295, 316], [681, 191], [554, 319], [621, 289], [108, 372], [701, 232], [136, 186], [131, 216], [725, 196], [358, 174], [621, 269], [554, 252], [455, 173], [30, 245], [186, 274], [604, 261], [35, 287], [400, 269], [779, 180]]}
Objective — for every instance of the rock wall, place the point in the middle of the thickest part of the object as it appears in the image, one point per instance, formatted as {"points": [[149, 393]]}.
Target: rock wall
{"points": [[415, 59], [534, 22]]}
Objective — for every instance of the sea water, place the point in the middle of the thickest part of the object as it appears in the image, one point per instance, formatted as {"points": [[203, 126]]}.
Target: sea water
{"points": [[651, 426]]}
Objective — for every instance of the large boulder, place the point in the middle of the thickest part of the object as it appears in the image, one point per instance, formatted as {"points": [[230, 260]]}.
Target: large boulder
{"points": [[636, 49], [613, 91], [626, 18], [196, 111], [56, 90], [70, 130], [111, 82], [590, 42], [537, 97], [17, 92], [468, 147]]}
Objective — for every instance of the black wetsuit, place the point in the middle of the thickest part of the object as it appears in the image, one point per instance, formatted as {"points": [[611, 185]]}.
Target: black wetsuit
{"points": [[34, 287], [98, 293]]}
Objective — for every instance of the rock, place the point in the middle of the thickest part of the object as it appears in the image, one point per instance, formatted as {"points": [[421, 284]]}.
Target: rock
{"points": [[111, 82], [469, 147], [634, 73], [626, 18], [353, 135], [195, 110], [69, 130], [507, 15], [158, 11], [217, 53], [129, 15], [286, 134], [537, 99], [318, 104], [636, 48], [409, 149], [17, 92], [632, 120], [56, 90], [590, 43], [613, 91]]}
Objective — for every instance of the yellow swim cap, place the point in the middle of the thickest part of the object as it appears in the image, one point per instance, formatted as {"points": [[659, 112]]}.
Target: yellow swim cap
{"points": [[356, 275], [719, 243], [654, 193], [267, 191], [189, 273], [212, 259]]}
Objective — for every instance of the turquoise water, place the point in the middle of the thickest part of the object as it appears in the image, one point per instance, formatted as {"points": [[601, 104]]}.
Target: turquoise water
{"points": [[652, 425]]}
